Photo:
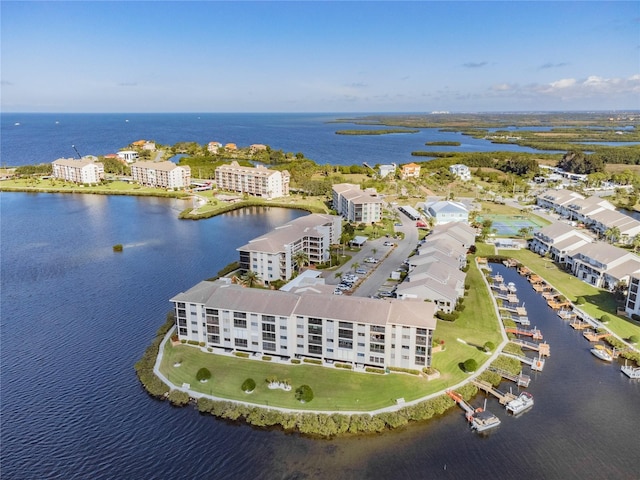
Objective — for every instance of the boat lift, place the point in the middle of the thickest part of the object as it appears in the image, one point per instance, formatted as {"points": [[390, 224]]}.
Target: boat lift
{"points": [[485, 386]]}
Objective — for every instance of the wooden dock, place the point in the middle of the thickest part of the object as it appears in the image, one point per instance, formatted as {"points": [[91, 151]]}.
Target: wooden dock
{"points": [[520, 379], [579, 324], [594, 336], [510, 262], [536, 364], [521, 319], [503, 398], [542, 348], [534, 333]]}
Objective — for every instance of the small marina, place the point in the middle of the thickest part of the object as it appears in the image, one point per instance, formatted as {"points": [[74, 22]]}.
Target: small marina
{"points": [[479, 419]]}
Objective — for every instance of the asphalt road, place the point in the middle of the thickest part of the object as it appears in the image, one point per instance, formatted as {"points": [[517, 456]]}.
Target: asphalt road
{"points": [[391, 258]]}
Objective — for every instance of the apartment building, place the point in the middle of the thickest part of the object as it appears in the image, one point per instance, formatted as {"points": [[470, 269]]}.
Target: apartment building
{"points": [[410, 170], [361, 331], [446, 211], [357, 205], [258, 181], [559, 239], [161, 174], [78, 171], [273, 255]]}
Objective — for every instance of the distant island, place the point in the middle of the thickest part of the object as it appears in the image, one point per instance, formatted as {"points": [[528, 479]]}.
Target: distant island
{"points": [[375, 132], [443, 144]]}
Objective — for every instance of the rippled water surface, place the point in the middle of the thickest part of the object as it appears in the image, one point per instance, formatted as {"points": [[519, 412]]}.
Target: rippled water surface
{"points": [[75, 317]]}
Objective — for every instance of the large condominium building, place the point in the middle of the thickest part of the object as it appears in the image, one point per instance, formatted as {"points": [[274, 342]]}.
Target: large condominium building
{"points": [[259, 181], [161, 174], [273, 255], [360, 331], [78, 171], [355, 204]]}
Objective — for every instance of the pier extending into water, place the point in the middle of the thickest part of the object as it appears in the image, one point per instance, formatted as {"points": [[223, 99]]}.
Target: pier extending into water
{"points": [[520, 379], [535, 363], [503, 398], [542, 348], [533, 333]]}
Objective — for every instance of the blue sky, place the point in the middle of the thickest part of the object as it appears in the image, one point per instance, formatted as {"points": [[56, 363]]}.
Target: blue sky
{"points": [[155, 56]]}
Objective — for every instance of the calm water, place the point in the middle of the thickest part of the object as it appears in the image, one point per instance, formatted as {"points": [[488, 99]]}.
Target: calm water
{"points": [[76, 317], [42, 138]]}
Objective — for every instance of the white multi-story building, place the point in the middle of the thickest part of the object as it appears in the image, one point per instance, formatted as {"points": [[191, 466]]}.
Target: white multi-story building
{"points": [[603, 265], [385, 170], [259, 181], [161, 174], [78, 171], [128, 156], [632, 306], [460, 171], [356, 205], [361, 331], [273, 256], [559, 239]]}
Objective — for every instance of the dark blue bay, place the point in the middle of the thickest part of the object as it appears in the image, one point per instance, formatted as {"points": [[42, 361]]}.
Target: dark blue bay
{"points": [[76, 316]]}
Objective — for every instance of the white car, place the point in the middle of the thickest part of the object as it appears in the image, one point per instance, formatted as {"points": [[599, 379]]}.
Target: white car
{"points": [[388, 244]]}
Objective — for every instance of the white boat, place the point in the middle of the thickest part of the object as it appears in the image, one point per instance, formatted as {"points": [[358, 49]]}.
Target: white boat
{"points": [[630, 372], [602, 353], [482, 420], [512, 287], [520, 404]]}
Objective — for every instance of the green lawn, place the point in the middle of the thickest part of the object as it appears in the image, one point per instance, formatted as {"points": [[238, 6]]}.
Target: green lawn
{"points": [[599, 302], [338, 389], [333, 388]]}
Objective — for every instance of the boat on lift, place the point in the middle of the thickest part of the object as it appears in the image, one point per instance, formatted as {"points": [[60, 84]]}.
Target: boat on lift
{"points": [[602, 353], [520, 404]]}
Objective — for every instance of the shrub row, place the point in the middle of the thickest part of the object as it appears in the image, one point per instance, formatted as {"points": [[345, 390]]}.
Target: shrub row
{"points": [[347, 366], [374, 370], [405, 370], [144, 367], [266, 358], [330, 425], [241, 354], [313, 361]]}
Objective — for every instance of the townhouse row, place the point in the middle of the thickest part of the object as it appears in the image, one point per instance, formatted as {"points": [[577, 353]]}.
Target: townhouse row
{"points": [[301, 324], [435, 272], [594, 212]]}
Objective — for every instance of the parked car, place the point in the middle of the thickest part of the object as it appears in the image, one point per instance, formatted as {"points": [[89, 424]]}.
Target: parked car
{"points": [[388, 244], [370, 260], [361, 271]]}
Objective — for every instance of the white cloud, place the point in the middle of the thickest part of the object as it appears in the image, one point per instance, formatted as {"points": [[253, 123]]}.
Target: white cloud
{"points": [[563, 83]]}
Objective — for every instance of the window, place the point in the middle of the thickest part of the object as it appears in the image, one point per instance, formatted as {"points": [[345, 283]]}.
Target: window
{"points": [[376, 348], [241, 315], [315, 349], [213, 338], [345, 325], [183, 331], [420, 360], [315, 339], [315, 321], [345, 344], [241, 342], [268, 318], [270, 346], [342, 333], [315, 329], [213, 329], [239, 323]]}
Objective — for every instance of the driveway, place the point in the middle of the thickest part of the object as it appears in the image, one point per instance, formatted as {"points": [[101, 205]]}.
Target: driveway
{"points": [[390, 259]]}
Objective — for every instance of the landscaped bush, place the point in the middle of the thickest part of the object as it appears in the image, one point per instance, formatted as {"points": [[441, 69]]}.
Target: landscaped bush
{"points": [[266, 358], [241, 354], [470, 365], [312, 361], [447, 317], [605, 318], [248, 385], [404, 370], [580, 301], [203, 375], [193, 342], [633, 339], [304, 394], [295, 361], [346, 366], [489, 347], [374, 370]]}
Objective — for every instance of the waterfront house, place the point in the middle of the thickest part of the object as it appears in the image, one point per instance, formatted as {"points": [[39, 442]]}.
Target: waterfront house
{"points": [[257, 181], [273, 256], [364, 332], [461, 171], [356, 205], [444, 297], [385, 170], [257, 147], [84, 171], [128, 156], [161, 174], [214, 147], [446, 211], [410, 170]]}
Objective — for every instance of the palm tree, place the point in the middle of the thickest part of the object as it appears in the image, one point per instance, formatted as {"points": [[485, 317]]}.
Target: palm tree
{"points": [[635, 243], [612, 234], [301, 259], [250, 279], [355, 266]]}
